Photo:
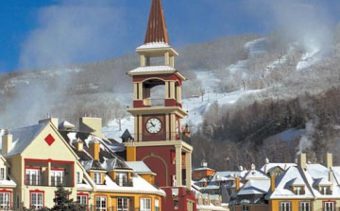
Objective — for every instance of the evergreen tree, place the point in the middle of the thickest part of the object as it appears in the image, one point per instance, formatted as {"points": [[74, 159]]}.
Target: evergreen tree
{"points": [[63, 202]]}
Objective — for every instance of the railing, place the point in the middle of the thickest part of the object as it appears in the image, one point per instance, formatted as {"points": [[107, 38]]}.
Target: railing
{"points": [[7, 208], [154, 102], [57, 181], [34, 180], [93, 208], [38, 180]]}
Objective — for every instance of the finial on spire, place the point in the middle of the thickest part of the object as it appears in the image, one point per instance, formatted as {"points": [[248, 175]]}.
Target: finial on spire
{"points": [[156, 29]]}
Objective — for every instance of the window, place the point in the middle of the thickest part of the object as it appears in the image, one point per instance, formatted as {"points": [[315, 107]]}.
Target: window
{"points": [[33, 177], [37, 200], [2, 174], [97, 178], [298, 190], [5, 200], [78, 178], [304, 206], [190, 206], [122, 179], [285, 206], [157, 208], [245, 208], [100, 203], [325, 190], [145, 204], [82, 199], [57, 177], [329, 206], [123, 204]]}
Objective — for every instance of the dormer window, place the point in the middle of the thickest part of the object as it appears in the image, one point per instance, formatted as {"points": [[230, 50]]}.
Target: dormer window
{"points": [[97, 178], [325, 190], [299, 190], [122, 179]]}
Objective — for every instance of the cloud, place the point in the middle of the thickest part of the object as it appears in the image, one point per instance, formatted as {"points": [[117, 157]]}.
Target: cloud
{"points": [[307, 22], [74, 31]]}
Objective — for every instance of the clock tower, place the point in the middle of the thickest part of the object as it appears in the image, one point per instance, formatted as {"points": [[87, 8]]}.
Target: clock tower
{"points": [[157, 110]]}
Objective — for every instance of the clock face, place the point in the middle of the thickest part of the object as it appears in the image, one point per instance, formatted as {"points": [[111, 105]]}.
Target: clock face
{"points": [[153, 125]]}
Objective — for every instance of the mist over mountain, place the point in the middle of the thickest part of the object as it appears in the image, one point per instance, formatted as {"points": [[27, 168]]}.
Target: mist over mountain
{"points": [[245, 94], [248, 96]]}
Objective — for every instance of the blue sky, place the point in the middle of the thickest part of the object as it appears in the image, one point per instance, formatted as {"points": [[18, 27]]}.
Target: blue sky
{"points": [[38, 33]]}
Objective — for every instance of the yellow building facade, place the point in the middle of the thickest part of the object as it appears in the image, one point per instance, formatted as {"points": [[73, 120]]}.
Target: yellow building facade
{"points": [[43, 156]]}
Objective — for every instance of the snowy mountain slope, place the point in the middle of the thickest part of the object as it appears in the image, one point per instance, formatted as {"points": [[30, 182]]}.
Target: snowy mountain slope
{"points": [[198, 105], [195, 106]]}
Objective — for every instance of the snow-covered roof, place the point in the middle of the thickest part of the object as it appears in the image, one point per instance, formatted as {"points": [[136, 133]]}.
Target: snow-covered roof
{"points": [[255, 186], [152, 69], [211, 187], [22, 137], [225, 175], [284, 184], [269, 166], [154, 45], [139, 167], [210, 207], [203, 168], [7, 183], [66, 125], [253, 174], [139, 186]]}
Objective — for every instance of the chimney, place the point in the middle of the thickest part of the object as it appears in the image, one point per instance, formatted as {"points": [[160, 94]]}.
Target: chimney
{"points": [[7, 140], [91, 125], [204, 164], [79, 145], [54, 121], [302, 160], [237, 184], [272, 182], [329, 160], [95, 149]]}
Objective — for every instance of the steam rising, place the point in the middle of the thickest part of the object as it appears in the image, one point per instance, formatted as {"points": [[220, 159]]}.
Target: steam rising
{"points": [[305, 22], [307, 140], [73, 31]]}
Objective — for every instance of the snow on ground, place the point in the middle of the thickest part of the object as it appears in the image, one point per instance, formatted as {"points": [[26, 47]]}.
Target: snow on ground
{"points": [[309, 59], [196, 107], [112, 130], [254, 48], [278, 62]]}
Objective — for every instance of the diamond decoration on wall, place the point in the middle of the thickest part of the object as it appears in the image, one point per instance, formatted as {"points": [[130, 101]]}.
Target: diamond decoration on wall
{"points": [[49, 139]]}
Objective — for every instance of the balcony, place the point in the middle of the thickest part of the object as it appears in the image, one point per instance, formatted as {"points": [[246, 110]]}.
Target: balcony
{"points": [[58, 181], [49, 173], [34, 180]]}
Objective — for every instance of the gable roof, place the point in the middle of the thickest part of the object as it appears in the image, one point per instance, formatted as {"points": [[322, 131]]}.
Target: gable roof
{"points": [[266, 168], [255, 187], [139, 167], [23, 137]]}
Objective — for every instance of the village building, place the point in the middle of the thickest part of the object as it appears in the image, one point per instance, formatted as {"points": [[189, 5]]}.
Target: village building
{"points": [[303, 186], [43, 156]]}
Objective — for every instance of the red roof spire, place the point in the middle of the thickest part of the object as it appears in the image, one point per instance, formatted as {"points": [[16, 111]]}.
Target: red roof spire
{"points": [[156, 31]]}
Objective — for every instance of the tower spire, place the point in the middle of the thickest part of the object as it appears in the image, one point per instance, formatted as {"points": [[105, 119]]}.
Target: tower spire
{"points": [[156, 29]]}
